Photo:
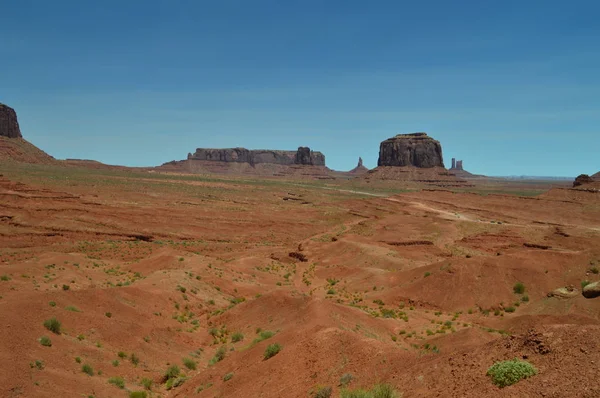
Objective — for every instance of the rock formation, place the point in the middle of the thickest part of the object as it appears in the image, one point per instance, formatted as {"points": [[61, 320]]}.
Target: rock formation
{"points": [[457, 165], [303, 156], [418, 150], [9, 126], [359, 169], [582, 179]]}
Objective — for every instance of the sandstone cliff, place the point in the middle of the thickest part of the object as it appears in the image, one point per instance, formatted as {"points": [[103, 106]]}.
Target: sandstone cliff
{"points": [[303, 156], [9, 126], [417, 150]]}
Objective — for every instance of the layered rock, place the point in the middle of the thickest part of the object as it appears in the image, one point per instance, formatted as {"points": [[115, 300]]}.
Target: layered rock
{"points": [[417, 150], [303, 156], [9, 126], [582, 179]]}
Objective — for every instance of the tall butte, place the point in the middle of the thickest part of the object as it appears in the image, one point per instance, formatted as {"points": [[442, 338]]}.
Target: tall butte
{"points": [[417, 150], [9, 125]]}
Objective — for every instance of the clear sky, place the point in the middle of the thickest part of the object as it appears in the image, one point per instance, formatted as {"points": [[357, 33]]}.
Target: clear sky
{"points": [[511, 87]]}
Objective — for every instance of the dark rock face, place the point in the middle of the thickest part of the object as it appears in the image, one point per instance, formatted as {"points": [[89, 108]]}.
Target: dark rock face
{"points": [[360, 163], [582, 179], [303, 156], [418, 150], [9, 126], [457, 165]]}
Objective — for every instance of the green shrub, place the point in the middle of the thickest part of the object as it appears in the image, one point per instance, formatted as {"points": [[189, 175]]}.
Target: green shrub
{"points": [[72, 308], [37, 364], [117, 381], [272, 350], [147, 383], [525, 298], [323, 392], [219, 355], [45, 341], [189, 363], [52, 325], [585, 283], [108, 314], [346, 379], [594, 270], [172, 372], [506, 373], [427, 274], [87, 369], [77, 359], [378, 391], [227, 377], [237, 336], [52, 304], [134, 359], [115, 363], [138, 394], [509, 309], [330, 291], [122, 355], [66, 287], [519, 288]]}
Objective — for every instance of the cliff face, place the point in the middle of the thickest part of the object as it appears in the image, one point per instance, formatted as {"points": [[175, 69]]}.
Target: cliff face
{"points": [[418, 150], [303, 156], [9, 126]]}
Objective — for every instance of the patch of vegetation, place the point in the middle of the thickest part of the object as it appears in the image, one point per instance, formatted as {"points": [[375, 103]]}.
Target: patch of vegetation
{"points": [[427, 274], [219, 355], [585, 283], [52, 304], [507, 373], [509, 309], [237, 336], [323, 392], [519, 288], [189, 363], [45, 341], [134, 359], [138, 394], [346, 379], [525, 298], [87, 369], [262, 335], [117, 381], [147, 383], [66, 287], [37, 364], [228, 376], [108, 314], [378, 391], [78, 359], [52, 325], [72, 308], [272, 350], [115, 363], [122, 354], [172, 372]]}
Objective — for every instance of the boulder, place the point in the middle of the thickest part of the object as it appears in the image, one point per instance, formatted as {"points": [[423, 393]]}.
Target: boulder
{"points": [[417, 150], [9, 126], [592, 290]]}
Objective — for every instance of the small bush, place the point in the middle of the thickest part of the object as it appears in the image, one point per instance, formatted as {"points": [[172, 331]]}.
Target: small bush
{"points": [[219, 355], [87, 369], [525, 298], [115, 363], [117, 381], [519, 288], [237, 336], [427, 274], [134, 359], [346, 379], [80, 337], [37, 364], [52, 325], [172, 372], [77, 359], [138, 394], [147, 383], [66, 287], [45, 341], [122, 355], [585, 283], [52, 304], [323, 392], [507, 373], [4, 278], [272, 350], [378, 391], [509, 309], [108, 314], [189, 363], [594, 270], [72, 308], [227, 377]]}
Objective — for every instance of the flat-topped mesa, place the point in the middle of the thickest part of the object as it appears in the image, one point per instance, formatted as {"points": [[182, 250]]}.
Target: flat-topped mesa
{"points": [[9, 125], [303, 156], [417, 150]]}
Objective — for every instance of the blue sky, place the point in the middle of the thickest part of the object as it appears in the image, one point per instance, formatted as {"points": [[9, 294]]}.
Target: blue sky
{"points": [[510, 87]]}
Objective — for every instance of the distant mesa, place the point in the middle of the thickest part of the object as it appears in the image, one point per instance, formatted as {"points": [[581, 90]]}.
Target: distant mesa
{"points": [[359, 169], [417, 150], [303, 156], [9, 125]]}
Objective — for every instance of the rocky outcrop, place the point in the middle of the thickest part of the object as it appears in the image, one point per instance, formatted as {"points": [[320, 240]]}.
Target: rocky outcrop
{"points": [[359, 169], [9, 126], [457, 165], [417, 150], [582, 179], [303, 156], [592, 290]]}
